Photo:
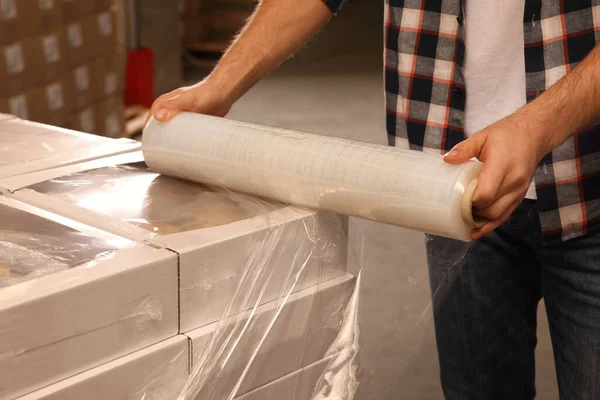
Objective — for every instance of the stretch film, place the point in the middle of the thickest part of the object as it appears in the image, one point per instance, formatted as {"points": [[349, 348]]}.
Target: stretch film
{"points": [[400, 187]]}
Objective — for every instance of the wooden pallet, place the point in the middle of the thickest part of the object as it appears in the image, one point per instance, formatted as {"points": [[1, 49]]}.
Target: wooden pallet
{"points": [[135, 116]]}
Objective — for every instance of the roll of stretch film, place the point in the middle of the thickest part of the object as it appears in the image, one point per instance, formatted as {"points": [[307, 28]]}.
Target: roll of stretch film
{"points": [[407, 188]]}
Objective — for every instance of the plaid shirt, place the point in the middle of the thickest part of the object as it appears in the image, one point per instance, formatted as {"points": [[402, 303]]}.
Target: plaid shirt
{"points": [[425, 93]]}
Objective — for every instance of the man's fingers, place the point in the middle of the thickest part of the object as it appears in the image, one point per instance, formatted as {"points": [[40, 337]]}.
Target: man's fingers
{"points": [[182, 101], [466, 150], [490, 226], [490, 184], [497, 209]]}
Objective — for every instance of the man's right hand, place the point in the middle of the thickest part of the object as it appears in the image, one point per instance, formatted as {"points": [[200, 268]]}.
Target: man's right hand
{"points": [[201, 98], [276, 30]]}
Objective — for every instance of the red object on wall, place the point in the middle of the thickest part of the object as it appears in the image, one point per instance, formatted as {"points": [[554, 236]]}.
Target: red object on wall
{"points": [[139, 82]]}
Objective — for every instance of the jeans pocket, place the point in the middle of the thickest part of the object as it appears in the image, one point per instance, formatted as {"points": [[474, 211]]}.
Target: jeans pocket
{"points": [[522, 216]]}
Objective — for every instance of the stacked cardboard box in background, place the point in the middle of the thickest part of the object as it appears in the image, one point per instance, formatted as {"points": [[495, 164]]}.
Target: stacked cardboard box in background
{"points": [[62, 64], [210, 25]]}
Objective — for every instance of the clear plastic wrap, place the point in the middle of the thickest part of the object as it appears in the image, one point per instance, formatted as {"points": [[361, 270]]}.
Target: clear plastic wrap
{"points": [[162, 205], [361, 333], [31, 247], [29, 146]]}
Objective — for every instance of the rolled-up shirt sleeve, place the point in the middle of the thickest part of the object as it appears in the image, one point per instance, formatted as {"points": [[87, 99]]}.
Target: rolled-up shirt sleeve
{"points": [[336, 5]]}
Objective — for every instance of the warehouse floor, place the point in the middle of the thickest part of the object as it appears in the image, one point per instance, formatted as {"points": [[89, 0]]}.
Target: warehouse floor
{"points": [[334, 87]]}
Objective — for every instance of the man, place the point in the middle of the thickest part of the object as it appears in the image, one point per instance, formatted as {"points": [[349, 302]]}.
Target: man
{"points": [[520, 81]]}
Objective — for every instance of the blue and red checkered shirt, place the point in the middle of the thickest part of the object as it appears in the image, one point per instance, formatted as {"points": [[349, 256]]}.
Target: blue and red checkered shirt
{"points": [[425, 93]]}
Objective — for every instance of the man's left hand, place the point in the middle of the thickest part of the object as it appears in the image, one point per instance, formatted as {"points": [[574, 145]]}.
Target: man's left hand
{"points": [[510, 153]]}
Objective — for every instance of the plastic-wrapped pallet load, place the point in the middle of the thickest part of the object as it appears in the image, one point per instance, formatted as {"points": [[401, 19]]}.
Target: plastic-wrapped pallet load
{"points": [[154, 373], [220, 238], [73, 297], [215, 232], [29, 146], [276, 301]]}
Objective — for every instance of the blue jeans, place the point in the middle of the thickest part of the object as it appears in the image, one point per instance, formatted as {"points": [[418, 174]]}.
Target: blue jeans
{"points": [[485, 311]]}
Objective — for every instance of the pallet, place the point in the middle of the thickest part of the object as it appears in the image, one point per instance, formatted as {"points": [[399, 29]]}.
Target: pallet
{"points": [[135, 116]]}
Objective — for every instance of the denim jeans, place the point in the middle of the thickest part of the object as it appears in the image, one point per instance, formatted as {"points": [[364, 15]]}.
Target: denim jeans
{"points": [[485, 311]]}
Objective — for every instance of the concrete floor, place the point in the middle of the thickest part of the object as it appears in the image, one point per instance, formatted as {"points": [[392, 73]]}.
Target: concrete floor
{"points": [[334, 87]]}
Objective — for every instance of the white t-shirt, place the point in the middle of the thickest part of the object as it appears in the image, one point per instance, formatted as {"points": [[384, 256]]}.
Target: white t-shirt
{"points": [[494, 63]]}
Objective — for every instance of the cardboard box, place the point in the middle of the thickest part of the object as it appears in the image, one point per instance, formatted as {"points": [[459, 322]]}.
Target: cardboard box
{"points": [[53, 49], [16, 73], [110, 73], [104, 5], [82, 41], [32, 62], [111, 117], [50, 15], [86, 120], [29, 146], [19, 19], [303, 332], [155, 373], [299, 385], [76, 298], [106, 32], [15, 105], [51, 103], [74, 10], [214, 234], [84, 84]]}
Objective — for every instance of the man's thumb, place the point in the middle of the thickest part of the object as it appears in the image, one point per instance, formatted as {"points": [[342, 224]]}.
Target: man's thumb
{"points": [[466, 150], [171, 107]]}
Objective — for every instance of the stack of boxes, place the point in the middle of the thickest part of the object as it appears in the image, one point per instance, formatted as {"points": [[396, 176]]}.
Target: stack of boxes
{"points": [[61, 63], [102, 298]]}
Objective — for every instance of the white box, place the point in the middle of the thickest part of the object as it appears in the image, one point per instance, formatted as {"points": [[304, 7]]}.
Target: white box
{"points": [[6, 116], [87, 297], [157, 372], [303, 331], [130, 201], [30, 146], [298, 385]]}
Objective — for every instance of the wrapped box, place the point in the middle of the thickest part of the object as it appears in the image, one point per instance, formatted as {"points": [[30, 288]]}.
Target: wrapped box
{"points": [[299, 385], [74, 297], [214, 233], [154, 373], [28, 146], [303, 331]]}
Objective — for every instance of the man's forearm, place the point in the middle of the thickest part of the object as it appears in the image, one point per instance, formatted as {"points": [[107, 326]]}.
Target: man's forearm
{"points": [[570, 106], [277, 29]]}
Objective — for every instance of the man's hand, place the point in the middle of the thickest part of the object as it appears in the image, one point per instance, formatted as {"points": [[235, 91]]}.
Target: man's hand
{"points": [[510, 153], [200, 98], [276, 30], [510, 149]]}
